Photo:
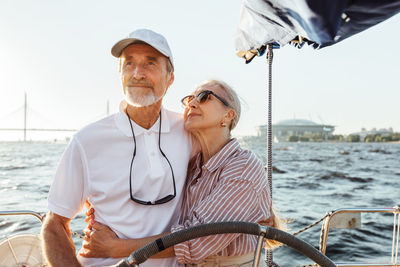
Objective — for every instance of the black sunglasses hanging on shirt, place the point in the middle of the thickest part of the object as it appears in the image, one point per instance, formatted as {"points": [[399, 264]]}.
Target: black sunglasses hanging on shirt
{"points": [[164, 199]]}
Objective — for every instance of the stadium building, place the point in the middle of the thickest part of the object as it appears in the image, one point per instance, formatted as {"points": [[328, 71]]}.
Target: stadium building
{"points": [[296, 127]]}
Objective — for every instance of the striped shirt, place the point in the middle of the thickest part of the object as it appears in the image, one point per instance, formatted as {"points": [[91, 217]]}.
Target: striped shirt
{"points": [[231, 186]]}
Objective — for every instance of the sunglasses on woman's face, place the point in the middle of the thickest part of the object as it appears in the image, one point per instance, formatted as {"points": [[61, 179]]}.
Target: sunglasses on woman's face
{"points": [[202, 97]]}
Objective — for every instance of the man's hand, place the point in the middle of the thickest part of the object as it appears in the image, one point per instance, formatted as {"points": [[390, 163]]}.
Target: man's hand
{"points": [[100, 242]]}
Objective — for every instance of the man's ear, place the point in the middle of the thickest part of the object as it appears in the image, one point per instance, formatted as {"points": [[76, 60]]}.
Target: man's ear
{"points": [[171, 79]]}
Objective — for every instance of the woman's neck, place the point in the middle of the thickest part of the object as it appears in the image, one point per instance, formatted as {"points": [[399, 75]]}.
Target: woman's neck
{"points": [[211, 142]]}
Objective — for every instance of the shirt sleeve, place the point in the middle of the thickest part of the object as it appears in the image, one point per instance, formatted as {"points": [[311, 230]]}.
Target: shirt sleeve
{"points": [[235, 198], [67, 192]]}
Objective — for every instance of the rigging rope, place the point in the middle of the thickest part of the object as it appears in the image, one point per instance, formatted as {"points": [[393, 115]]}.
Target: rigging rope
{"points": [[311, 225]]}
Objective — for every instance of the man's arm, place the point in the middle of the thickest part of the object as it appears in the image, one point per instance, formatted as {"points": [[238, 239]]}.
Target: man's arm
{"points": [[58, 247]]}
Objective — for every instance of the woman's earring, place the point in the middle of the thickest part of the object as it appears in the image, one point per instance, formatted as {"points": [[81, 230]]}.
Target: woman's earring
{"points": [[223, 124]]}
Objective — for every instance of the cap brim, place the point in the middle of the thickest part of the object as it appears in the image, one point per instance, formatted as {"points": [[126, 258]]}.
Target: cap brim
{"points": [[117, 49]]}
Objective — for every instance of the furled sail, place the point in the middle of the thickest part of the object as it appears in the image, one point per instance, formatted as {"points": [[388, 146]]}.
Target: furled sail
{"points": [[319, 23]]}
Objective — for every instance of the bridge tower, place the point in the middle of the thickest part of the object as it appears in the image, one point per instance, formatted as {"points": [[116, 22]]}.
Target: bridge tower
{"points": [[25, 116]]}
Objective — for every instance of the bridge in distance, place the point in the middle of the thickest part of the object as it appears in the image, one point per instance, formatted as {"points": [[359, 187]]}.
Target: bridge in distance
{"points": [[25, 129]]}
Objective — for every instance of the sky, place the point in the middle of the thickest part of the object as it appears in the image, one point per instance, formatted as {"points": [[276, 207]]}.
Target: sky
{"points": [[58, 53]]}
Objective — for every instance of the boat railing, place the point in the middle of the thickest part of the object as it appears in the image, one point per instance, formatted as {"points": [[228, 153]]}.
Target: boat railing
{"points": [[347, 218], [38, 215], [22, 249], [351, 218]]}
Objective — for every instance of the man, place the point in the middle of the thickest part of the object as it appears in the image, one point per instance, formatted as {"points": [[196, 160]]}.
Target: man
{"points": [[129, 165]]}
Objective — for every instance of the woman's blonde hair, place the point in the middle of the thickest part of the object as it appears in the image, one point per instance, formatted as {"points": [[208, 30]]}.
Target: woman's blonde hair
{"points": [[278, 223], [230, 97]]}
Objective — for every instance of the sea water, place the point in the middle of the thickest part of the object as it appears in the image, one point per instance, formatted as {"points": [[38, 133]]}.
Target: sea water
{"points": [[310, 180]]}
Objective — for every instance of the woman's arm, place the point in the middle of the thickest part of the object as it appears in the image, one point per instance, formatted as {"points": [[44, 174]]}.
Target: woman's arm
{"points": [[101, 242]]}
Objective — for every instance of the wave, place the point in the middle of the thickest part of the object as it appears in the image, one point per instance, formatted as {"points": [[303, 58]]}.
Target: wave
{"points": [[339, 195], [382, 202], [276, 170], [366, 169], [283, 148], [342, 176], [317, 160], [362, 187], [12, 168], [23, 167], [309, 185], [379, 151]]}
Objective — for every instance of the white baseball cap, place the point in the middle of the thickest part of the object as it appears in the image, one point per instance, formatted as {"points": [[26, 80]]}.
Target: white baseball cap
{"points": [[149, 37]]}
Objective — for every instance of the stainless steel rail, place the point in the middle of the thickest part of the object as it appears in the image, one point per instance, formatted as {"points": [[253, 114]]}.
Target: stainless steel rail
{"points": [[327, 223], [367, 265], [23, 212]]}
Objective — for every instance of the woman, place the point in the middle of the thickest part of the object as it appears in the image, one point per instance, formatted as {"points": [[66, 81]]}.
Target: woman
{"points": [[224, 183]]}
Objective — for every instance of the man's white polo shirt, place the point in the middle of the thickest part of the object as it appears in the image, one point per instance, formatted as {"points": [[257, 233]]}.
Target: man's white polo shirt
{"points": [[96, 164]]}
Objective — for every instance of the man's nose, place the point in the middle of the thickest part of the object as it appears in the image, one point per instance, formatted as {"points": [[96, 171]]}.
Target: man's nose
{"points": [[138, 73]]}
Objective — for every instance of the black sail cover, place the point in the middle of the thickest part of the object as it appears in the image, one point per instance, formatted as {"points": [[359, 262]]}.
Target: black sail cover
{"points": [[320, 23]]}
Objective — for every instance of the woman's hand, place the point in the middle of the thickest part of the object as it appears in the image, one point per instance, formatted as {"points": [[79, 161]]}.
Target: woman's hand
{"points": [[99, 242], [268, 222], [99, 239], [89, 214]]}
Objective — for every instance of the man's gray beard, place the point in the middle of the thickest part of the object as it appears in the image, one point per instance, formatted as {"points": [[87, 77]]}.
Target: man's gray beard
{"points": [[139, 100]]}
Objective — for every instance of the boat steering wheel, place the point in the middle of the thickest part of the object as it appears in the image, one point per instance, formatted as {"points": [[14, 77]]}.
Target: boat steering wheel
{"points": [[142, 254]]}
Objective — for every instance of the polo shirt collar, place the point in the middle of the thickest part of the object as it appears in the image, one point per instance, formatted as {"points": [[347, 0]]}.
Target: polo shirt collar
{"points": [[221, 156], [122, 123]]}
